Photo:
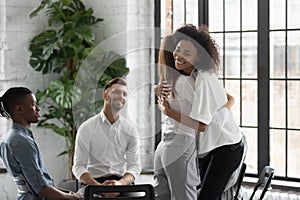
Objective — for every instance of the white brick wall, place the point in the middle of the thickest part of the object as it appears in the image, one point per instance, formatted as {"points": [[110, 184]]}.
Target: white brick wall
{"points": [[16, 30]]}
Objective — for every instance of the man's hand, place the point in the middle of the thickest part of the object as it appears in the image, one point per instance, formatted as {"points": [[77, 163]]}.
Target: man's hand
{"points": [[111, 194]]}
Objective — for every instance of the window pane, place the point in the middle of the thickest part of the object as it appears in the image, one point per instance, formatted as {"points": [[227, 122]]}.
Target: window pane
{"points": [[293, 54], [277, 54], [232, 55], [232, 15], [233, 88], [277, 151], [178, 13], [249, 103], [251, 158], [293, 154], [249, 55], [249, 14], [215, 15], [192, 12], [218, 37], [293, 14], [166, 16], [277, 104], [294, 104], [277, 14]]}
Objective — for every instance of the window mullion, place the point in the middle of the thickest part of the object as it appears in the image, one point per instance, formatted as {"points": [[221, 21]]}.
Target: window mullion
{"points": [[203, 12], [263, 84]]}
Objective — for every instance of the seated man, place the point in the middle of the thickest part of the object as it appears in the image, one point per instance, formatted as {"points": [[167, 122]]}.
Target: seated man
{"points": [[19, 152], [107, 146]]}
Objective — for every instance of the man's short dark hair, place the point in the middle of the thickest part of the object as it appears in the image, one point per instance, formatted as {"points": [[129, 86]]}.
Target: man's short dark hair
{"points": [[10, 98], [118, 80]]}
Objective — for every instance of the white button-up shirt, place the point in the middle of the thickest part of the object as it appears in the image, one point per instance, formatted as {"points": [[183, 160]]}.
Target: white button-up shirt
{"points": [[105, 149]]}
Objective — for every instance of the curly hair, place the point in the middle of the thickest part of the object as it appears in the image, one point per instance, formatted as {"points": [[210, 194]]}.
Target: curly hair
{"points": [[205, 44]]}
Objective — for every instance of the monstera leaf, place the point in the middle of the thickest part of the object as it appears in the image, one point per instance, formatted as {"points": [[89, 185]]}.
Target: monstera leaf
{"points": [[62, 50]]}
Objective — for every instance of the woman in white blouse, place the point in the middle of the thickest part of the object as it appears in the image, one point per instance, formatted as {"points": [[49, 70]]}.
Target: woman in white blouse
{"points": [[176, 173]]}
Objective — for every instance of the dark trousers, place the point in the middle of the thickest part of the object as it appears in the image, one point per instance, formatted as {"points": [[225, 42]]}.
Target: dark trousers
{"points": [[216, 169]]}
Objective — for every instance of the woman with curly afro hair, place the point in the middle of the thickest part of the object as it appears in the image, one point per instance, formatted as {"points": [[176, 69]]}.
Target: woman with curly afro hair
{"points": [[220, 148]]}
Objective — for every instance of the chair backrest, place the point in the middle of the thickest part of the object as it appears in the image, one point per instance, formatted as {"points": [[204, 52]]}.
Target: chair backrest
{"points": [[128, 192], [240, 180], [264, 181]]}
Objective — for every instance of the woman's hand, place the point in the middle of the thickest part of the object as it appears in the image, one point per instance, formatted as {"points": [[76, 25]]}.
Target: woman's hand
{"points": [[230, 101], [164, 106], [162, 90]]}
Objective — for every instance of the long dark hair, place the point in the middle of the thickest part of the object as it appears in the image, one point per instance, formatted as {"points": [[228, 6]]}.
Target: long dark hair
{"points": [[166, 64], [10, 98]]}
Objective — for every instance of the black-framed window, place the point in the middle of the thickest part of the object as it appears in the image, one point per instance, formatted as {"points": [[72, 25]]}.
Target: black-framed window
{"points": [[260, 46]]}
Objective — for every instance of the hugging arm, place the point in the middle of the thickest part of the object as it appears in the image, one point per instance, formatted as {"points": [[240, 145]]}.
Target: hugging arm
{"points": [[219, 118]]}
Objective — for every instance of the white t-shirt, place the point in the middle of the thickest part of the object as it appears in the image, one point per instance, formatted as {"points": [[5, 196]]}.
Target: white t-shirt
{"points": [[210, 97], [105, 149], [182, 103]]}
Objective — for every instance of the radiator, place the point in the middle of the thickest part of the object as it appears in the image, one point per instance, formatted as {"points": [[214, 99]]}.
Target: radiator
{"points": [[270, 195]]}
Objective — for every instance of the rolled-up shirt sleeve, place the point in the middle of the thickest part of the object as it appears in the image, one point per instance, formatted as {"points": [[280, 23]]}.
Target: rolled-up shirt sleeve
{"points": [[30, 160], [220, 118], [208, 98]]}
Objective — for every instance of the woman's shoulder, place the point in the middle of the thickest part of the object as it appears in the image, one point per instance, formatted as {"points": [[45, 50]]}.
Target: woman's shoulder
{"points": [[206, 74]]}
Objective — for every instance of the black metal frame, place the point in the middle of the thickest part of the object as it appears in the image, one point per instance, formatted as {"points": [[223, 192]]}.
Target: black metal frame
{"points": [[263, 85]]}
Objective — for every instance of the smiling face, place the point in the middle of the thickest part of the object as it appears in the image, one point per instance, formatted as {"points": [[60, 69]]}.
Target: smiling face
{"points": [[115, 97], [185, 56]]}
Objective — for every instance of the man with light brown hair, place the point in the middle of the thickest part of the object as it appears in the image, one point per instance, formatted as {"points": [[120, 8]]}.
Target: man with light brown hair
{"points": [[107, 145]]}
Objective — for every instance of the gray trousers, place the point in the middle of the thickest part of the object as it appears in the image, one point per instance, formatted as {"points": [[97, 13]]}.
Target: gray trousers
{"points": [[175, 169]]}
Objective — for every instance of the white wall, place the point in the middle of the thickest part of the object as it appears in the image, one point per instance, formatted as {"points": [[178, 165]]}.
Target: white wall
{"points": [[16, 30], [128, 30]]}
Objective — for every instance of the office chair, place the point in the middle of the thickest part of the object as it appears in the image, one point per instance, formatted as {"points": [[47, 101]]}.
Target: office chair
{"points": [[129, 192], [264, 181], [240, 180]]}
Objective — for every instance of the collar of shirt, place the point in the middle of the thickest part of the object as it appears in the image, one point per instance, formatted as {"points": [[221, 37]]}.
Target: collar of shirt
{"points": [[26, 130], [104, 118]]}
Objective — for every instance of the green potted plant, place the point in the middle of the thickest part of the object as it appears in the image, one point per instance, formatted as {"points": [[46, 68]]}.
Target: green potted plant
{"points": [[62, 49]]}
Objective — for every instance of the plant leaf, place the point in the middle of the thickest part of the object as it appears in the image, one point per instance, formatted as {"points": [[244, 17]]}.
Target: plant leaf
{"points": [[38, 9]]}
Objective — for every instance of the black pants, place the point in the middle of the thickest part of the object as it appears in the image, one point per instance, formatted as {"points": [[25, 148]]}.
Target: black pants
{"points": [[216, 169]]}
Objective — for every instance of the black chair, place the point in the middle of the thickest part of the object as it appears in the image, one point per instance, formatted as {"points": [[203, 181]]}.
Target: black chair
{"points": [[264, 181], [240, 180], [128, 192]]}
